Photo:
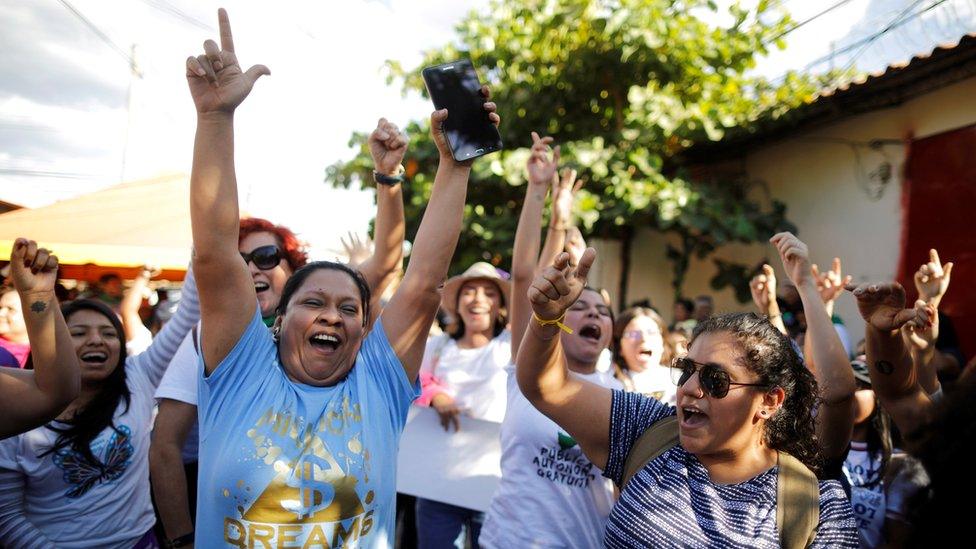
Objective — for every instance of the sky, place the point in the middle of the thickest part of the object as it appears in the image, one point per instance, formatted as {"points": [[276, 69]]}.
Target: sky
{"points": [[73, 118]]}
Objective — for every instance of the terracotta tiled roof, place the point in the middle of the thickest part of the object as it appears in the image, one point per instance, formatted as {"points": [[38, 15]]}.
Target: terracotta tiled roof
{"points": [[946, 64]]}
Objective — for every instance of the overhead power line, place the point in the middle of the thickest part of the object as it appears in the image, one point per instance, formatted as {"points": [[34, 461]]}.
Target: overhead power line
{"points": [[104, 37], [166, 7], [899, 21], [810, 19], [41, 173]]}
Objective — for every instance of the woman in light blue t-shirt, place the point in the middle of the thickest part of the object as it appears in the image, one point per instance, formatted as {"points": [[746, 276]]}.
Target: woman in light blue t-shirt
{"points": [[299, 428]]}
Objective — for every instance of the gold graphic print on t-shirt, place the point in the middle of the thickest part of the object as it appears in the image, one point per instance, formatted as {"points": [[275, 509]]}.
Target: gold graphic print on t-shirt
{"points": [[314, 499]]}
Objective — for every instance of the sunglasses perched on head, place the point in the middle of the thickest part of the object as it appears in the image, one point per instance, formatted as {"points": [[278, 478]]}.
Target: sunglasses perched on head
{"points": [[713, 379], [264, 257]]}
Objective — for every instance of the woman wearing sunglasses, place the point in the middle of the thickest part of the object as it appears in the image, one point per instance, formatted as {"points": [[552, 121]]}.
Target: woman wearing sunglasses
{"points": [[744, 410], [272, 253], [642, 354], [299, 428]]}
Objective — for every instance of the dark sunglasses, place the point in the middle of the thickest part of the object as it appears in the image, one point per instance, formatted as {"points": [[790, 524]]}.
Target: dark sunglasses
{"points": [[714, 380], [264, 257]]}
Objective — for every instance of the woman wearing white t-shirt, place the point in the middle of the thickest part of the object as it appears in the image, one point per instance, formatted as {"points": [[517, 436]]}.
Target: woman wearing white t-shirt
{"points": [[463, 373], [83, 480], [643, 353], [550, 495]]}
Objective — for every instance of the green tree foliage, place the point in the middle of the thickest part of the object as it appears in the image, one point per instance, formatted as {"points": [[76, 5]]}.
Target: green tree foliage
{"points": [[624, 86]]}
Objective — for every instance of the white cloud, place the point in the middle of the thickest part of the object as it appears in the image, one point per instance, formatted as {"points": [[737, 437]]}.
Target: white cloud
{"points": [[63, 92]]}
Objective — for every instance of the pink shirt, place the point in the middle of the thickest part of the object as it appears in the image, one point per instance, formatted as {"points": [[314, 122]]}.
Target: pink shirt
{"points": [[19, 350]]}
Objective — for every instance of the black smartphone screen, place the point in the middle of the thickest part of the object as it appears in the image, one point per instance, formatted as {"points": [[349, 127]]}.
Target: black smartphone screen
{"points": [[455, 87]]}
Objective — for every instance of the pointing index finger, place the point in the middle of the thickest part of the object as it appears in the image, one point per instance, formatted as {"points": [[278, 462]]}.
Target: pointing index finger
{"points": [[226, 38]]}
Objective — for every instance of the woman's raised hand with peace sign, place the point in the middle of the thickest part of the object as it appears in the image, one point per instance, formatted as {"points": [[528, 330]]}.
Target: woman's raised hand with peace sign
{"points": [[557, 287], [216, 81]]}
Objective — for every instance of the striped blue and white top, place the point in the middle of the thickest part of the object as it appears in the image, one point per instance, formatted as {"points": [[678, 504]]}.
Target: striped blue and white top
{"points": [[672, 503]]}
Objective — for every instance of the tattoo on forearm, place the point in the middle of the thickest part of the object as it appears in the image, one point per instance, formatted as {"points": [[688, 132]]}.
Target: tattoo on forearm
{"points": [[885, 367], [38, 306]]}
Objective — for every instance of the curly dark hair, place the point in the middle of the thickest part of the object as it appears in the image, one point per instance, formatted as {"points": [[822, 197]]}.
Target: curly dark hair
{"points": [[770, 355], [291, 248]]}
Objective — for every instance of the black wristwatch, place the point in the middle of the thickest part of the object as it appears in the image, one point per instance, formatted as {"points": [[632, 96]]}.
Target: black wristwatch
{"points": [[181, 541], [390, 180]]}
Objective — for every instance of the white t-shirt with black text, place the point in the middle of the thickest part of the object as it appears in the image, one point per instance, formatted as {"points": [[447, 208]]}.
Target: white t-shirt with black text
{"points": [[550, 495]]}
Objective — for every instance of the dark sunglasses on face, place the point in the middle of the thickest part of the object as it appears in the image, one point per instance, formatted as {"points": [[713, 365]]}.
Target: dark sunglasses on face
{"points": [[264, 257], [713, 379]]}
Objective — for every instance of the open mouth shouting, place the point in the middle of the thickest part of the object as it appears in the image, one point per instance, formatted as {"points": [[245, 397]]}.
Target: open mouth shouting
{"points": [[591, 332], [692, 417], [260, 286], [94, 358], [325, 342]]}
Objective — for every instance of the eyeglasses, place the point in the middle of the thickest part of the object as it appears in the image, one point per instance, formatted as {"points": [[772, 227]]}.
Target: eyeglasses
{"points": [[264, 257], [640, 334], [714, 380]]}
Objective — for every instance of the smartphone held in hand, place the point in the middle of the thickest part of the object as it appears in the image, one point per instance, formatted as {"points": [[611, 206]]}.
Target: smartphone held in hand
{"points": [[455, 87]]}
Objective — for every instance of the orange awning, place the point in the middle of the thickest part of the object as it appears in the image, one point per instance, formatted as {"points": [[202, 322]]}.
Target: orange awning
{"points": [[116, 229]]}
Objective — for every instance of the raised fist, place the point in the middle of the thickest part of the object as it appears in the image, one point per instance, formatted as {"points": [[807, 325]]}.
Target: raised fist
{"points": [[32, 269], [387, 145]]}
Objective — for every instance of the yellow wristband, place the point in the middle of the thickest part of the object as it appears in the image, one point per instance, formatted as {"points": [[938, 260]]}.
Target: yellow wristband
{"points": [[558, 322]]}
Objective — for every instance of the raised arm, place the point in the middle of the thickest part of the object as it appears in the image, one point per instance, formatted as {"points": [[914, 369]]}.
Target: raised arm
{"points": [[540, 171], [932, 282], [893, 377], [921, 345], [174, 421], [387, 145], [227, 298], [15, 528], [408, 316], [561, 228], [579, 407], [31, 398], [835, 378], [763, 289], [129, 308]]}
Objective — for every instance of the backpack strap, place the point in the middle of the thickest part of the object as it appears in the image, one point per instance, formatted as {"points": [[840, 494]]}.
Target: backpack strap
{"points": [[797, 503], [654, 441]]}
